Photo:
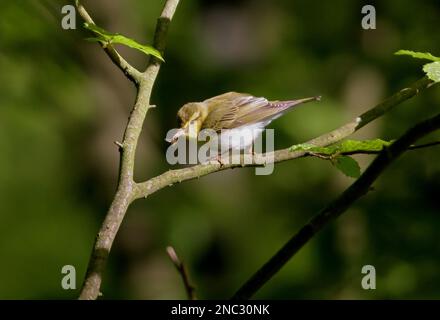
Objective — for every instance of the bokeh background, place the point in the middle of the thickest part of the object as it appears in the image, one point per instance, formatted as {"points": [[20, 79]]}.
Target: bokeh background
{"points": [[63, 103]]}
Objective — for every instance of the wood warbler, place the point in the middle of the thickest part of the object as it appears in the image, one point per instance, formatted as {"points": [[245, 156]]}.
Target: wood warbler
{"points": [[232, 114]]}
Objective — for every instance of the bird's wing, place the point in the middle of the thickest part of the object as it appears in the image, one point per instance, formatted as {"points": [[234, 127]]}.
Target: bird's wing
{"points": [[224, 110], [261, 110], [232, 110]]}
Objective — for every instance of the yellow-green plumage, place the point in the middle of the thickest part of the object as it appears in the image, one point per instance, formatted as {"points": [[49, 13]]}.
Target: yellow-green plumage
{"points": [[232, 110]]}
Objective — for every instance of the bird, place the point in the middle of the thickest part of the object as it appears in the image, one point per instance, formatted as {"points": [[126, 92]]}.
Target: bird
{"points": [[232, 114]]}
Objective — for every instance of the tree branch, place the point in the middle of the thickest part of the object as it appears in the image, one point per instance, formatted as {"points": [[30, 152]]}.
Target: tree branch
{"points": [[171, 177], [337, 207], [362, 151], [130, 72], [126, 185]]}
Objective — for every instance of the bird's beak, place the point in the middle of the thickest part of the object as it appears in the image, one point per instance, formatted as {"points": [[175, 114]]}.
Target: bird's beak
{"points": [[191, 130], [173, 139]]}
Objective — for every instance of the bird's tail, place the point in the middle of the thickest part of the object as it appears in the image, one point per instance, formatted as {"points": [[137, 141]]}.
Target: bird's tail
{"points": [[287, 104]]}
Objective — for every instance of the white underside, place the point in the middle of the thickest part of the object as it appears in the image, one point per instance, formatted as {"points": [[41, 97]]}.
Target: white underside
{"points": [[242, 137]]}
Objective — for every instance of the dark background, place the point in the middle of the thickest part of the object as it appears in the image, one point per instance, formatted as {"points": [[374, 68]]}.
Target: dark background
{"points": [[63, 103]]}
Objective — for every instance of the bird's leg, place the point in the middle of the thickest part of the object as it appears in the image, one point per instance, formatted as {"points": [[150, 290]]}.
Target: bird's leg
{"points": [[218, 158], [248, 152]]}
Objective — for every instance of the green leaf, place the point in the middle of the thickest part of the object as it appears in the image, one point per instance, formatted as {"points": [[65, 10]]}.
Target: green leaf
{"points": [[346, 146], [103, 35], [133, 44], [361, 145], [432, 70], [304, 147], [336, 152], [348, 166], [418, 55], [98, 30]]}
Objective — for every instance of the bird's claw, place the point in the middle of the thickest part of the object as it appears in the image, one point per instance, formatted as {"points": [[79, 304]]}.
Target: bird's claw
{"points": [[218, 158]]}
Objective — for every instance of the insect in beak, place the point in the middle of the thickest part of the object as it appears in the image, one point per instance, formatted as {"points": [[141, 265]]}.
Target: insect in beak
{"points": [[176, 136]]}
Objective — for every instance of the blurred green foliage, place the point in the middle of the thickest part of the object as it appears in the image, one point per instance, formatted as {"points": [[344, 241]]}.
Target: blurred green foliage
{"points": [[62, 104]]}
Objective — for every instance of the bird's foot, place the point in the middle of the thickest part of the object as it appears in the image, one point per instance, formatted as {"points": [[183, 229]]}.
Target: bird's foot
{"points": [[218, 158]]}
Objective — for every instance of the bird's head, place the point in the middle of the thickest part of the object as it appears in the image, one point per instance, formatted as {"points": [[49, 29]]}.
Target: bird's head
{"points": [[190, 120]]}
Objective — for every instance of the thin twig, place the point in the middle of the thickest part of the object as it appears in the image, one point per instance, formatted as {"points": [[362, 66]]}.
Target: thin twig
{"points": [[130, 72], [180, 266], [126, 185], [337, 207]]}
